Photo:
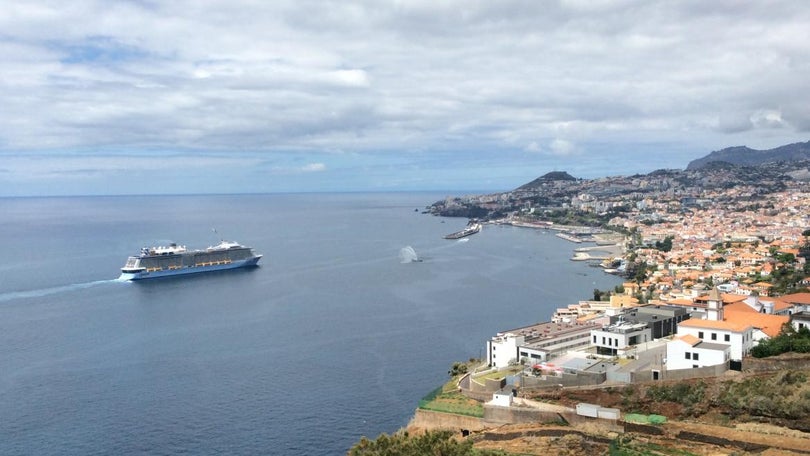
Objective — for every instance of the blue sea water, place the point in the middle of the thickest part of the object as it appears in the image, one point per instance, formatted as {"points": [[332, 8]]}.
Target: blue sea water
{"points": [[335, 336]]}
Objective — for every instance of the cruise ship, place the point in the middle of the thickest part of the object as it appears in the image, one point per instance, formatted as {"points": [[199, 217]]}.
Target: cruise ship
{"points": [[171, 260]]}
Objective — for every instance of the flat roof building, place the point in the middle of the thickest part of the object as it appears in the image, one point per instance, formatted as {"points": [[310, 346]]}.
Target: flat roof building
{"points": [[537, 343]]}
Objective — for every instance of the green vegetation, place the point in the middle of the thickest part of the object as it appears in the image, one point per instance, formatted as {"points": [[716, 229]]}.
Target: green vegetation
{"points": [[447, 399], [439, 443], [784, 395], [626, 445], [645, 419], [788, 340], [665, 245], [458, 368], [689, 395]]}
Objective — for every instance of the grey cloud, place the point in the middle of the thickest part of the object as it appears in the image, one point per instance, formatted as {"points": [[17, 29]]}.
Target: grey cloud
{"points": [[370, 75], [734, 123]]}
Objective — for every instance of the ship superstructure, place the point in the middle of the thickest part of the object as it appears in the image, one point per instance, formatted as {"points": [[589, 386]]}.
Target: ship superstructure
{"points": [[163, 261]]}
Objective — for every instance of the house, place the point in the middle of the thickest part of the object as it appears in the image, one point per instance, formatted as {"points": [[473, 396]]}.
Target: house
{"points": [[502, 398], [689, 352], [800, 301], [734, 330], [800, 320], [740, 336]]}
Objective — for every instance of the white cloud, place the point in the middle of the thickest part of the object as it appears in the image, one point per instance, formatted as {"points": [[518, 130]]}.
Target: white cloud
{"points": [[351, 78], [562, 147], [313, 167], [396, 77]]}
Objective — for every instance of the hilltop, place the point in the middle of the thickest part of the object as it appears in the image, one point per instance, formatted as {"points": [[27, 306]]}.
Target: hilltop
{"points": [[742, 155]]}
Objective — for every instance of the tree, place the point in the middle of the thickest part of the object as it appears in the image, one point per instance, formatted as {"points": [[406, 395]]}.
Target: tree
{"points": [[458, 368], [665, 245]]}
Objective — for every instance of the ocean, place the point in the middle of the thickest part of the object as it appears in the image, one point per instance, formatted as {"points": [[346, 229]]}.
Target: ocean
{"points": [[337, 335]]}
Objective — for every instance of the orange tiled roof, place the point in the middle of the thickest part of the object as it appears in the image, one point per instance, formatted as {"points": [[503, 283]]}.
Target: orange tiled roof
{"points": [[797, 298], [729, 298], [779, 304], [714, 324], [689, 339], [739, 307], [769, 324]]}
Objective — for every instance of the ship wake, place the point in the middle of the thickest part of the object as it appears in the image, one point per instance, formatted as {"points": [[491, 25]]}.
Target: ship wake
{"points": [[38, 293]]}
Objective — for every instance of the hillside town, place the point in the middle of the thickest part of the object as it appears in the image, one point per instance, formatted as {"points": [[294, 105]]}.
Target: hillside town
{"points": [[715, 265]]}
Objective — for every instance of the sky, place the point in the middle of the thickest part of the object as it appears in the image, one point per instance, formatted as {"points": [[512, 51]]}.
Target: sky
{"points": [[250, 96]]}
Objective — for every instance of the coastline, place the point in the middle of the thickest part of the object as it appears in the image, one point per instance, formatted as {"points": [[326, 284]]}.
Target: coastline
{"points": [[611, 245]]}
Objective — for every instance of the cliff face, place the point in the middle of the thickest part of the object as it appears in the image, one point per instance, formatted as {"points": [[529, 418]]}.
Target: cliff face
{"points": [[742, 155]]}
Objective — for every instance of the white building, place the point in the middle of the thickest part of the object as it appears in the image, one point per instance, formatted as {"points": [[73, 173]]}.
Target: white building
{"points": [[738, 336], [537, 343], [616, 338], [800, 320], [689, 352], [737, 333], [636, 326]]}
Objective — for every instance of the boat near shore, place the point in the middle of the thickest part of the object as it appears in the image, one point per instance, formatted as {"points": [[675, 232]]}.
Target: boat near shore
{"points": [[172, 260], [470, 229]]}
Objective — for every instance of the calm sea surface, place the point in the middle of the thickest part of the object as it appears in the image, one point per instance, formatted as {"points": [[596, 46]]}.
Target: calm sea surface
{"points": [[331, 339]]}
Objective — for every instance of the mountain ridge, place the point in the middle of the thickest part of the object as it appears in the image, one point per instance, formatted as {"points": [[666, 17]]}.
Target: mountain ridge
{"points": [[745, 156]]}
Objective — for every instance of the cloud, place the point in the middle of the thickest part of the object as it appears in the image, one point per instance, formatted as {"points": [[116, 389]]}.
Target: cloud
{"points": [[734, 123], [400, 78], [313, 167], [562, 147]]}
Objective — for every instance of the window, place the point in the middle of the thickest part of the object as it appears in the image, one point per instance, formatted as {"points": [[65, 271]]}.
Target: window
{"points": [[688, 355], [603, 340], [727, 337], [695, 356], [714, 336], [700, 335], [594, 339]]}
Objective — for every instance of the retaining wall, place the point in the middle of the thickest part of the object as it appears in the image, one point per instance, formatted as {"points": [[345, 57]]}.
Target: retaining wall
{"points": [[774, 363], [430, 420], [496, 414]]}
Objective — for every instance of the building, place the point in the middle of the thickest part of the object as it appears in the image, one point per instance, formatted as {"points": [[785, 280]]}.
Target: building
{"points": [[689, 352], [735, 331], [537, 343], [636, 326], [739, 336], [800, 321]]}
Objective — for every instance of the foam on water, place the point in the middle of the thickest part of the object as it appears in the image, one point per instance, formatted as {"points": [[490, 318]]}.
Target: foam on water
{"points": [[38, 293], [408, 255]]}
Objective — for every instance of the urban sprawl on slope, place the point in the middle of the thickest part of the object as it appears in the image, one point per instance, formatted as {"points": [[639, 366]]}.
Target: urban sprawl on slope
{"points": [[715, 260]]}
